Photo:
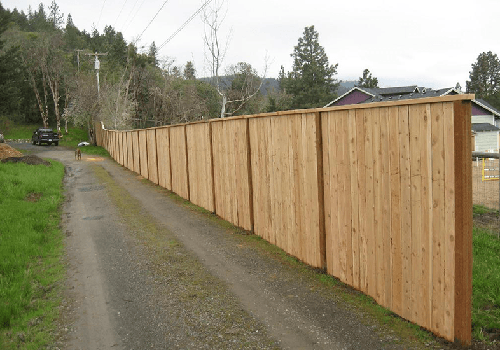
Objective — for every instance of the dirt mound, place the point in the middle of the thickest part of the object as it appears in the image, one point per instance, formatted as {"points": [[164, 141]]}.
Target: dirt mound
{"points": [[6, 151], [31, 160]]}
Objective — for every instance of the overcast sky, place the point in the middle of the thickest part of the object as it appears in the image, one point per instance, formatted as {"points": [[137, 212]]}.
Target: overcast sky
{"points": [[428, 43]]}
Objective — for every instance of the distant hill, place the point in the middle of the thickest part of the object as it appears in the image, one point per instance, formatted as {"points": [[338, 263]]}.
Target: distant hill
{"points": [[271, 84]]}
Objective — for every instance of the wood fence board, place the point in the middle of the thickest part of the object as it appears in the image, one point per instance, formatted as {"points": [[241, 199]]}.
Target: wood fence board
{"points": [[378, 199], [130, 150], [353, 169], [163, 153], [152, 160], [179, 161], [362, 177], [449, 222], [136, 152], [438, 215], [370, 204], [426, 207], [395, 184], [386, 207], [406, 205], [143, 153], [416, 205], [200, 165]]}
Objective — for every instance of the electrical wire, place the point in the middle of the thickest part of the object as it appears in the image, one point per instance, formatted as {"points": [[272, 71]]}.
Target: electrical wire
{"points": [[99, 20], [184, 24], [123, 6], [136, 40], [136, 12]]}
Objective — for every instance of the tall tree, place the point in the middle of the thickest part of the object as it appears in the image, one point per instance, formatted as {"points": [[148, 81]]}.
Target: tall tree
{"points": [[55, 18], [485, 77], [189, 71], [312, 82], [367, 80]]}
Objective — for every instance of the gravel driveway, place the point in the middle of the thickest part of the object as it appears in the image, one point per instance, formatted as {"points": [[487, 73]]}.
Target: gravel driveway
{"points": [[147, 272]]}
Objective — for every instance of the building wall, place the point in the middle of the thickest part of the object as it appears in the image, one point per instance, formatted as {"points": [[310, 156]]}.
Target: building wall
{"points": [[486, 141], [482, 119]]}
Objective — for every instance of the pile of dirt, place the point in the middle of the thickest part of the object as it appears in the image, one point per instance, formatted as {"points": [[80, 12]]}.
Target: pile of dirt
{"points": [[31, 160], [6, 151]]}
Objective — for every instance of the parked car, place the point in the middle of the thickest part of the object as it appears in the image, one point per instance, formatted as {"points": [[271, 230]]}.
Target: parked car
{"points": [[44, 135]]}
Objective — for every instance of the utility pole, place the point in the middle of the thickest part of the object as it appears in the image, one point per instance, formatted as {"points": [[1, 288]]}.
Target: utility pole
{"points": [[78, 58], [97, 66]]}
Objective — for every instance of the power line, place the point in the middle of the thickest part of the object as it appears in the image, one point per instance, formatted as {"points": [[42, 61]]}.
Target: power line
{"points": [[123, 6], [151, 20], [102, 8], [129, 23], [184, 24]]}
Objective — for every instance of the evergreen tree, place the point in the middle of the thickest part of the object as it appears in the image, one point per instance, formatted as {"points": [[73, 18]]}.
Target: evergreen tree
{"points": [[189, 71], [153, 52], [56, 18], [312, 82], [485, 78], [367, 80]]}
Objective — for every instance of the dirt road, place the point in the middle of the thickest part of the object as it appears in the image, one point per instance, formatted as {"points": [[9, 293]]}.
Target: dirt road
{"points": [[145, 272]]}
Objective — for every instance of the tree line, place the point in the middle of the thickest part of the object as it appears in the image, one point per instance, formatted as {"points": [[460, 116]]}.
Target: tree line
{"points": [[48, 75]]}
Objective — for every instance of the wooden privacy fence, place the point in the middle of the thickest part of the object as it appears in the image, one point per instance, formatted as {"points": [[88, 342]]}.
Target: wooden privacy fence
{"points": [[379, 194]]}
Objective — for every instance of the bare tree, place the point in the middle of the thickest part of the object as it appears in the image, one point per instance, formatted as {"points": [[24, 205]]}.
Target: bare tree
{"points": [[31, 52], [213, 17]]}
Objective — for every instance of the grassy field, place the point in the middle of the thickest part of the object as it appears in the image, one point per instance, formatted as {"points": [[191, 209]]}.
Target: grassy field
{"points": [[31, 247]]}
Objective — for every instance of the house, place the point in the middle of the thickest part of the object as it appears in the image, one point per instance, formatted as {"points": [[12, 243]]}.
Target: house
{"points": [[485, 118]]}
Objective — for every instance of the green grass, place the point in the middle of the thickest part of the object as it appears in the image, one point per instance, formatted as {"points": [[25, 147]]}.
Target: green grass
{"points": [[31, 249], [485, 284], [481, 209]]}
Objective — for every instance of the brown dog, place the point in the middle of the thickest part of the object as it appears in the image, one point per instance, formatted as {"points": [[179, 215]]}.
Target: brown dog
{"points": [[78, 154]]}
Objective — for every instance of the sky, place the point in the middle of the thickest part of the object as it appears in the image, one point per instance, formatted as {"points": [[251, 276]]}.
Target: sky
{"points": [[430, 43]]}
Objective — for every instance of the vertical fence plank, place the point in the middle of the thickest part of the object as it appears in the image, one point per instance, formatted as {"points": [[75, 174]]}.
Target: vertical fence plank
{"points": [[143, 153], [426, 233], [438, 213], [370, 204], [406, 205], [130, 150], [416, 209], [386, 208], [378, 199], [449, 221], [152, 157], [136, 152], [395, 184], [353, 167], [163, 154], [363, 246]]}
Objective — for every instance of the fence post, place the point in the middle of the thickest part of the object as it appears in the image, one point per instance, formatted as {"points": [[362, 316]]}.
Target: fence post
{"points": [[463, 222]]}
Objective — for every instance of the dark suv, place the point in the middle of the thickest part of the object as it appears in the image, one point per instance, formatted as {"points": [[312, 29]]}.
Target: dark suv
{"points": [[43, 135]]}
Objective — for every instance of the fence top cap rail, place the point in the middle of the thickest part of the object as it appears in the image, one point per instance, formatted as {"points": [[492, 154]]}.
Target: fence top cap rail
{"points": [[406, 102]]}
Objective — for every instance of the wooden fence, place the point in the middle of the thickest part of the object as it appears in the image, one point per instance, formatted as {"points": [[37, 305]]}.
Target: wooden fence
{"points": [[378, 194]]}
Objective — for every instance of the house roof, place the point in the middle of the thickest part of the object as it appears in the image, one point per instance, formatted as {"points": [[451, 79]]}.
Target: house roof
{"points": [[423, 92], [487, 106], [482, 127]]}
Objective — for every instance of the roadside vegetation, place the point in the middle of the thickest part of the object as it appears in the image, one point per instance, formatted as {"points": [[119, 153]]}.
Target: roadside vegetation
{"points": [[485, 280], [31, 247]]}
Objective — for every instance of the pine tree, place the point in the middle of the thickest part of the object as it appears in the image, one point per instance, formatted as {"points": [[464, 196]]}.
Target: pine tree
{"points": [[367, 80], [56, 18], [189, 71], [312, 82]]}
